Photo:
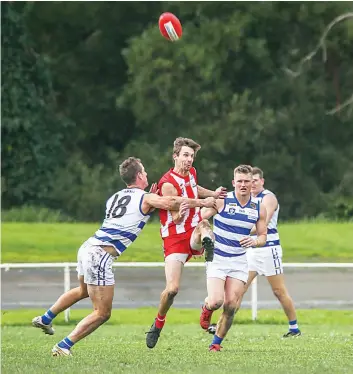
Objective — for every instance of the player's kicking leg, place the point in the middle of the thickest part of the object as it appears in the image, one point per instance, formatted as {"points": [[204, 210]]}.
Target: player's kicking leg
{"points": [[203, 237], [65, 301], [102, 299], [233, 290], [280, 291], [213, 301], [174, 264]]}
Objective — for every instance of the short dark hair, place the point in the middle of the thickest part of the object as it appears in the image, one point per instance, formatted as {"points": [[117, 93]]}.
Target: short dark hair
{"points": [[181, 142], [243, 169], [129, 169], [256, 170]]}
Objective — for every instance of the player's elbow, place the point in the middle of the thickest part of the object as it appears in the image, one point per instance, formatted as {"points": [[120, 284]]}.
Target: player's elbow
{"points": [[172, 203]]}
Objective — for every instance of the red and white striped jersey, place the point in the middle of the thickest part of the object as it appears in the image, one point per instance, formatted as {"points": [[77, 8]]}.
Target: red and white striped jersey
{"points": [[186, 187]]}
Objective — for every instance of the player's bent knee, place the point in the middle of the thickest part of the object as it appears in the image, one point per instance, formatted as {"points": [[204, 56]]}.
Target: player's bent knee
{"points": [[104, 315], [172, 291], [280, 293], [203, 224], [214, 304]]}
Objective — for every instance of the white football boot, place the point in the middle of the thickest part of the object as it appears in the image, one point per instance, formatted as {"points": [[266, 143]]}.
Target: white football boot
{"points": [[58, 351], [47, 329]]}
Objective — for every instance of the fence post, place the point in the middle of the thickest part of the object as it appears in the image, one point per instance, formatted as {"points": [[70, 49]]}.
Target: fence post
{"points": [[254, 299], [67, 288]]}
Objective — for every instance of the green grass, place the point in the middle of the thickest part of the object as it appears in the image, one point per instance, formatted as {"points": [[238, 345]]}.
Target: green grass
{"points": [[119, 347], [40, 242], [144, 316]]}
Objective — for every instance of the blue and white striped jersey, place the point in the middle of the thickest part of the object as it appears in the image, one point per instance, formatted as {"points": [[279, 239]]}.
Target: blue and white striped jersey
{"points": [[124, 220], [272, 233], [232, 224]]}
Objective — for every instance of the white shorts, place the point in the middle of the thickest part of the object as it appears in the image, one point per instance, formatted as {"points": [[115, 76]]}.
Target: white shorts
{"points": [[95, 265], [223, 267], [265, 261]]}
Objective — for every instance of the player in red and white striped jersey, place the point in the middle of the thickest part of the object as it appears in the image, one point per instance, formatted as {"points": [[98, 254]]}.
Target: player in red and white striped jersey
{"points": [[184, 233]]}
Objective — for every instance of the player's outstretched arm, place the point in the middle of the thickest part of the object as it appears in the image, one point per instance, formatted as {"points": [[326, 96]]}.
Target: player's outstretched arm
{"points": [[172, 202], [220, 193], [207, 213]]}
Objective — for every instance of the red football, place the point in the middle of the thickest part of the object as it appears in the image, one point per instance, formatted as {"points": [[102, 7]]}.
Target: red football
{"points": [[170, 26]]}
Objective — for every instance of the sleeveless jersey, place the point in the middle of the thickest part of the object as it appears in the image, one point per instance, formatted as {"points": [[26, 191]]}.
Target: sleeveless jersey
{"points": [[186, 187], [123, 221], [232, 224], [272, 233]]}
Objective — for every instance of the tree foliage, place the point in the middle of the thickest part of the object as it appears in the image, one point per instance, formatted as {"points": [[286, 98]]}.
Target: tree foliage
{"points": [[32, 130], [223, 85], [226, 83]]}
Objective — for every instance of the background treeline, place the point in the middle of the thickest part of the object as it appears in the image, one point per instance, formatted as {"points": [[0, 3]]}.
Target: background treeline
{"points": [[86, 84]]}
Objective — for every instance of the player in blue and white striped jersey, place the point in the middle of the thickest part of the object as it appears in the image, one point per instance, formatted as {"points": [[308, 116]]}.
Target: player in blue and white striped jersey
{"points": [[267, 261], [228, 273], [127, 212]]}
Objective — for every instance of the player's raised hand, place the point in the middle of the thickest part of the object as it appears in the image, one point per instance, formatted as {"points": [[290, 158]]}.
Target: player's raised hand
{"points": [[154, 188], [220, 193], [248, 242], [210, 202]]}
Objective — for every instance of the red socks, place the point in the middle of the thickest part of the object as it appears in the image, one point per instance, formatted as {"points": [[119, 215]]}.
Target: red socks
{"points": [[160, 321]]}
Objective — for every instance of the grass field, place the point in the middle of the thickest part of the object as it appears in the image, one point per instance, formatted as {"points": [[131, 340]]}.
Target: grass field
{"points": [[302, 242], [119, 346]]}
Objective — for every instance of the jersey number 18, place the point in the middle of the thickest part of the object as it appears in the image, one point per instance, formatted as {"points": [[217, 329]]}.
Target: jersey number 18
{"points": [[118, 207]]}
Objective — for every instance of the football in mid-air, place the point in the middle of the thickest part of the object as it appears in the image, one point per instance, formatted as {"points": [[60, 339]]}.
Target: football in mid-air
{"points": [[170, 26]]}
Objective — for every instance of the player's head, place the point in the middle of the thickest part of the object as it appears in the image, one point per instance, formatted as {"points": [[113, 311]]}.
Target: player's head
{"points": [[257, 181], [133, 173], [242, 180], [184, 153]]}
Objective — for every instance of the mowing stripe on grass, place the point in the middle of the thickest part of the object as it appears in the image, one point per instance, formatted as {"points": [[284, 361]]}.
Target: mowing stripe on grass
{"points": [[41, 242]]}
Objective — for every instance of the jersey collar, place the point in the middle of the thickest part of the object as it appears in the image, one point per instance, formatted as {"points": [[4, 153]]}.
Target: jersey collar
{"points": [[187, 177]]}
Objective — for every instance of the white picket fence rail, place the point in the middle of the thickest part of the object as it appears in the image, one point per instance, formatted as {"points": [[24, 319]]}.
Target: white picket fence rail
{"points": [[67, 265]]}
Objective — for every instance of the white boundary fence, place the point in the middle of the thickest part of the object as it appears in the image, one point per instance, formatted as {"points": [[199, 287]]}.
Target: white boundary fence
{"points": [[67, 265]]}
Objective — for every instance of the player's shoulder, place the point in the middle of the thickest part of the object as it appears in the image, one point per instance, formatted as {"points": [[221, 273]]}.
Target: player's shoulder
{"points": [[133, 192], [268, 193], [230, 198], [166, 177], [230, 195]]}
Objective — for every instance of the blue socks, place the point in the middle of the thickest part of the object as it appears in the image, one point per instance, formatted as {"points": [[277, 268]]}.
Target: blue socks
{"points": [[48, 317], [293, 326], [216, 340], [66, 343]]}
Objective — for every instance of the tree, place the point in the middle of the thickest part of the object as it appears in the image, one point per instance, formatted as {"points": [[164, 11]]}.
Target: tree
{"points": [[32, 133], [83, 43], [223, 84]]}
